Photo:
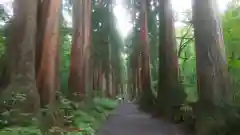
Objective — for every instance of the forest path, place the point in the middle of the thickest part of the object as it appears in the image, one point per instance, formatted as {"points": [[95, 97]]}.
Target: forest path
{"points": [[127, 119]]}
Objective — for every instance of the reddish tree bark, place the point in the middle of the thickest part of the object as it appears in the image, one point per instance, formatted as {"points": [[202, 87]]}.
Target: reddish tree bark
{"points": [[146, 96], [135, 69], [114, 84], [134, 60], [80, 52], [48, 56], [43, 9], [145, 63], [88, 41], [211, 63], [213, 81], [170, 93], [47, 75]]}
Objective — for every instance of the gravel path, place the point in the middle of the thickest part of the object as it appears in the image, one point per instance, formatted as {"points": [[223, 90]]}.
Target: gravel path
{"points": [[128, 120]]}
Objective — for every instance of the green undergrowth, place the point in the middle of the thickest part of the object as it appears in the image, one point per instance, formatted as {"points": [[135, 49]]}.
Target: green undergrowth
{"points": [[83, 118]]}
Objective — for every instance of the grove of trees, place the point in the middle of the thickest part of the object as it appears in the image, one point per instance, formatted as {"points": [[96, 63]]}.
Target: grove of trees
{"points": [[55, 74]]}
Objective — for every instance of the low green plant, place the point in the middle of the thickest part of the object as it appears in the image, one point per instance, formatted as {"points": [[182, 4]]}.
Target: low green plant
{"points": [[80, 118]]}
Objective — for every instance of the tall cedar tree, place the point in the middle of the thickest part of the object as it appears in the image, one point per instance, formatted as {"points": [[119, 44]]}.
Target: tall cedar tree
{"points": [[212, 72], [169, 90], [80, 52], [22, 56], [49, 35], [146, 96]]}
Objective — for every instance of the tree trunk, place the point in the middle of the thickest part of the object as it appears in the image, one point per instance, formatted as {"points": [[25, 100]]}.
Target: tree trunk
{"points": [[104, 84], [22, 55], [146, 81], [47, 77], [212, 72], [134, 60], [134, 73], [80, 47], [47, 72], [146, 91], [139, 75], [95, 79], [115, 88], [4, 72], [43, 9], [87, 42], [100, 78], [170, 93], [108, 89], [134, 84]]}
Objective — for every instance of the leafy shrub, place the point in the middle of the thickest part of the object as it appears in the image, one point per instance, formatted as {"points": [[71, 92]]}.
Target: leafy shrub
{"points": [[79, 118]]}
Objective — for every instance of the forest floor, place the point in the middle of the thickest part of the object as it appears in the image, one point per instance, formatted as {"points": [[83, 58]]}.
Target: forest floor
{"points": [[127, 119]]}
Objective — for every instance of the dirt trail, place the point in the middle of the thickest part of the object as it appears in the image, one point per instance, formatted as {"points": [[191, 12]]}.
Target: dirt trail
{"points": [[128, 120]]}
